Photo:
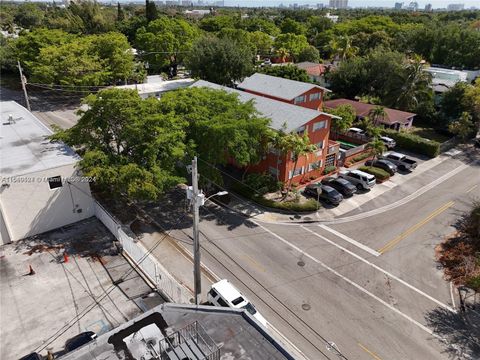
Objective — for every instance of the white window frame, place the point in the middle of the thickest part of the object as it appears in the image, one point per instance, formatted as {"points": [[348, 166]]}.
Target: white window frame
{"points": [[299, 99], [319, 125], [301, 129], [314, 96]]}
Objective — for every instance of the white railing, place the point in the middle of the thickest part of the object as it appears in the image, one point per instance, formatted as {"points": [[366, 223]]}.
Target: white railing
{"points": [[145, 262]]}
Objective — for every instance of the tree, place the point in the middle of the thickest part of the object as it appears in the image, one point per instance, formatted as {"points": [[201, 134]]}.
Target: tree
{"points": [[220, 61], [287, 72], [317, 25], [290, 26], [463, 127], [219, 126], [165, 42], [292, 43], [376, 146], [29, 15], [297, 145], [376, 114], [254, 24], [127, 144], [216, 23], [150, 11], [341, 48], [263, 43], [120, 13], [309, 54], [90, 17], [347, 117]]}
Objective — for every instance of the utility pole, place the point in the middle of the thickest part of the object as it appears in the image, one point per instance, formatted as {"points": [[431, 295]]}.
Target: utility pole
{"points": [[197, 277], [24, 81]]}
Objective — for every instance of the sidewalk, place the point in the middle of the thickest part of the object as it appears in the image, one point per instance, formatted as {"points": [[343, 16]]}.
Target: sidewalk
{"points": [[431, 169]]}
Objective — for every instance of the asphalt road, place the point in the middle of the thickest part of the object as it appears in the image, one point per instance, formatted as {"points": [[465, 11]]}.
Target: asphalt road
{"points": [[371, 286]]}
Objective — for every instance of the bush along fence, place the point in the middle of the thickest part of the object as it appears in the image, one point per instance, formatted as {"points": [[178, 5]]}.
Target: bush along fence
{"points": [[145, 262], [380, 174], [414, 143]]}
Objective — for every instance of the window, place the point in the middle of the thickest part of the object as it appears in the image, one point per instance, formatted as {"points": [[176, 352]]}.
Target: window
{"points": [[222, 302], [213, 293], [299, 99], [319, 125], [55, 182], [315, 96], [315, 165], [301, 129], [319, 145], [238, 300], [272, 170], [298, 171]]}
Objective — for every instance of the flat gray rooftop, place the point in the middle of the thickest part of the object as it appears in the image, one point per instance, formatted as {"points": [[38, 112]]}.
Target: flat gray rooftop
{"points": [[235, 331], [24, 147]]}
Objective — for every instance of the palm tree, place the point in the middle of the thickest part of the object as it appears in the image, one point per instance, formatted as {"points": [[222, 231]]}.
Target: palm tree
{"points": [[376, 146], [341, 48], [377, 113], [411, 87]]}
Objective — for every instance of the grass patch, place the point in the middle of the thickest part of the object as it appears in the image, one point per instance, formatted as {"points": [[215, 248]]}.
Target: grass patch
{"points": [[429, 133]]}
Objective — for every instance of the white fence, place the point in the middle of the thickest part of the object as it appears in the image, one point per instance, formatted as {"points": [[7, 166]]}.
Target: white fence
{"points": [[145, 261]]}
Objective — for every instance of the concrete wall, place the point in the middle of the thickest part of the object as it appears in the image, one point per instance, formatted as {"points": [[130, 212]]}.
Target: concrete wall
{"points": [[4, 236], [30, 207]]}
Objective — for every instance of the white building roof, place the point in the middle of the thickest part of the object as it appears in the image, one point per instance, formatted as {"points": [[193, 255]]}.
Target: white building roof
{"points": [[277, 87], [156, 85], [24, 147], [280, 113]]}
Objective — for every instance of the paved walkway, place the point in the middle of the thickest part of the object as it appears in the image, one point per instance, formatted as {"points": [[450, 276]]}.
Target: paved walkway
{"points": [[434, 171]]}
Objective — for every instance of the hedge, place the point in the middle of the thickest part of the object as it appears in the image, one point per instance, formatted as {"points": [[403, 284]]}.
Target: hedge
{"points": [[309, 206], [414, 143], [361, 157], [379, 174], [329, 169]]}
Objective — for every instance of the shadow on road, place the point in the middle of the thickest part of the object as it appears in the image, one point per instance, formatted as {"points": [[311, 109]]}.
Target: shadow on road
{"points": [[461, 332]]}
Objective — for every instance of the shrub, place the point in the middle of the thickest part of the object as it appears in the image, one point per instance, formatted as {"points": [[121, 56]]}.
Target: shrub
{"points": [[414, 143], [361, 157], [474, 283], [379, 174], [263, 183], [308, 206], [329, 169]]}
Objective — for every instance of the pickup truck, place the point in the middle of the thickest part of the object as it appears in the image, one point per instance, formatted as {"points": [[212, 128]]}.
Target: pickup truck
{"points": [[402, 162]]}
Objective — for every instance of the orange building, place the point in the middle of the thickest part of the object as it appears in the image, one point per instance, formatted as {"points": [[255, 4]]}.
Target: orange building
{"points": [[290, 118]]}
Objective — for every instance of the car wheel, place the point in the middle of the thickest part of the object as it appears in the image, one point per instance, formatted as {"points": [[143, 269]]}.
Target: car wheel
{"points": [[359, 187]]}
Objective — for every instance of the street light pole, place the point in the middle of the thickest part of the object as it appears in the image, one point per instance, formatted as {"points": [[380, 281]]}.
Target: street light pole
{"points": [[197, 280]]}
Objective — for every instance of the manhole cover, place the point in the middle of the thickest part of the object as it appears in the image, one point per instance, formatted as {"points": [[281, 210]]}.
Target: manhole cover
{"points": [[306, 307], [301, 263]]}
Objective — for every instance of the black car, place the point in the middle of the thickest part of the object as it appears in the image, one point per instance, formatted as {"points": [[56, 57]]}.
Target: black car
{"points": [[32, 356], [386, 165], [345, 187], [324, 192], [79, 340]]}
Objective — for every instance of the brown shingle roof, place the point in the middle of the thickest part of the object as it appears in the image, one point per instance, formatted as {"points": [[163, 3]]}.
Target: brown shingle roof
{"points": [[362, 110]]}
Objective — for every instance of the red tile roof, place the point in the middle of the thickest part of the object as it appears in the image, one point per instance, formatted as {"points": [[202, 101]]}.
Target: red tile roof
{"points": [[362, 110]]}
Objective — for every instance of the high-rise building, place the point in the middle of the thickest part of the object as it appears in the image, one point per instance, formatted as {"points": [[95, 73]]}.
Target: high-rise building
{"points": [[455, 7], [413, 6], [338, 4], [398, 5], [428, 7]]}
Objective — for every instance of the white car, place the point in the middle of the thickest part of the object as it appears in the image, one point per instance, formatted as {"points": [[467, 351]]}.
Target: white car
{"points": [[357, 131], [360, 179], [389, 142], [225, 294]]}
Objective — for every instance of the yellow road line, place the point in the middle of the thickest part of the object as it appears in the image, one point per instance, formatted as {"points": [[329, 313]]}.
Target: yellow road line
{"points": [[415, 227], [472, 188], [371, 353]]}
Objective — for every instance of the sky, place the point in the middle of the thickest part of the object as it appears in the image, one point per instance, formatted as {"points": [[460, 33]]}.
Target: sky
{"points": [[355, 3]]}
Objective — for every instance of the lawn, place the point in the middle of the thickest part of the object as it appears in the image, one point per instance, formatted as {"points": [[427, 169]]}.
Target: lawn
{"points": [[429, 133]]}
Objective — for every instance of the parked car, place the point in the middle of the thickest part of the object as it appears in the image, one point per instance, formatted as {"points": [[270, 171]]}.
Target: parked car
{"points": [[389, 142], [344, 187], [79, 340], [360, 179], [224, 294], [32, 356], [324, 192], [402, 162], [356, 131], [383, 164]]}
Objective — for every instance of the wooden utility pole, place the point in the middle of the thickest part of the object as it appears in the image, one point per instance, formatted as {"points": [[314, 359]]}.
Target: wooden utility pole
{"points": [[197, 277], [24, 87]]}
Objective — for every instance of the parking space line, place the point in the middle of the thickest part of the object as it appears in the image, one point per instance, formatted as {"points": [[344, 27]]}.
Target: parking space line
{"points": [[350, 240], [376, 267], [415, 227], [347, 280], [369, 352]]}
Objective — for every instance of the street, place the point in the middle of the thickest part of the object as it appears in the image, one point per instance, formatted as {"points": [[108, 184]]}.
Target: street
{"points": [[369, 283]]}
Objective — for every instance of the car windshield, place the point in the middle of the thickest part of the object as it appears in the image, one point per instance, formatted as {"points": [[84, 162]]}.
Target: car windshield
{"points": [[250, 308]]}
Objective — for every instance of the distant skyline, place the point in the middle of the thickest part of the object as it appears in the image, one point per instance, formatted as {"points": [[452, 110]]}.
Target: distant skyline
{"points": [[352, 3]]}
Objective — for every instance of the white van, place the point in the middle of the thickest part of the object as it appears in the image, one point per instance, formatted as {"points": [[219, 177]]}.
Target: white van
{"points": [[225, 294]]}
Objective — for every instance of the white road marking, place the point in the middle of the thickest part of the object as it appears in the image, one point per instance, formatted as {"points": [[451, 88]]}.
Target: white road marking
{"points": [[418, 291], [363, 290], [350, 240], [451, 295], [401, 202]]}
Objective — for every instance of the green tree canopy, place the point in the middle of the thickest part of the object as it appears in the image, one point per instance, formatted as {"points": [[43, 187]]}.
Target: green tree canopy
{"points": [[217, 23], [29, 15], [287, 72], [291, 43], [347, 117], [221, 61], [309, 53], [290, 26]]}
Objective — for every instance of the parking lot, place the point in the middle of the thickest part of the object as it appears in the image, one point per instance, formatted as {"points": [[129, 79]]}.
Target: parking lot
{"points": [[49, 296]]}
